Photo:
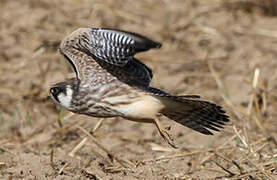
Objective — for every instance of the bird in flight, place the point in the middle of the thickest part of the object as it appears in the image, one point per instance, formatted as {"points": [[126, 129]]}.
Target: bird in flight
{"points": [[111, 82]]}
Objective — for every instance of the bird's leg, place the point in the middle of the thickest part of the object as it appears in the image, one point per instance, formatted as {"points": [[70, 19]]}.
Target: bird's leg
{"points": [[164, 133]]}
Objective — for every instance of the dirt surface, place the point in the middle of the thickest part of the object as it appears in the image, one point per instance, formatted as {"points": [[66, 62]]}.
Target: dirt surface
{"points": [[223, 50]]}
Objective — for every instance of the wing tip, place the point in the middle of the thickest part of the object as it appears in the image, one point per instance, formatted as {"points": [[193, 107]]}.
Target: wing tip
{"points": [[158, 45], [148, 44], [217, 124]]}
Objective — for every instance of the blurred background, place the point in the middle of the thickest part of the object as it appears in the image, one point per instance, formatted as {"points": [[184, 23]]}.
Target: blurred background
{"points": [[223, 50]]}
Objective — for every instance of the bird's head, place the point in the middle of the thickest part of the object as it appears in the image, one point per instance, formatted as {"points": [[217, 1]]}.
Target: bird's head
{"points": [[63, 92]]}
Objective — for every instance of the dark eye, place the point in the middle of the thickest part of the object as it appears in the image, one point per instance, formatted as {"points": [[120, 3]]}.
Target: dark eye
{"points": [[54, 90]]}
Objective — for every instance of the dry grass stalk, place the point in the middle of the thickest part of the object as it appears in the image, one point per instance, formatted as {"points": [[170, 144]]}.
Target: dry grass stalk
{"points": [[254, 85], [8, 151], [78, 147], [231, 161], [240, 137], [212, 170], [94, 140], [264, 97], [83, 142], [258, 117], [104, 159], [97, 126], [255, 101], [221, 146], [225, 169], [63, 167], [156, 147], [261, 170], [181, 155], [52, 159], [258, 32]]}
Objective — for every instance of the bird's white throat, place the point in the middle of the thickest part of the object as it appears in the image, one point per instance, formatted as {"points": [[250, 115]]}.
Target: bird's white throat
{"points": [[65, 99]]}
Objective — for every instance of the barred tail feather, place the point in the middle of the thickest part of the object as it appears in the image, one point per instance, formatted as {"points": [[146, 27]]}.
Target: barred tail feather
{"points": [[201, 116]]}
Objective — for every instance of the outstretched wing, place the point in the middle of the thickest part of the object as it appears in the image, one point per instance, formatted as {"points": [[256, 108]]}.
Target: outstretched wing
{"points": [[115, 46], [141, 74], [112, 50]]}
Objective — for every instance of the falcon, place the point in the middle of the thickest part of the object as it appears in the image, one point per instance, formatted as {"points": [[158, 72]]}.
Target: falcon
{"points": [[111, 82]]}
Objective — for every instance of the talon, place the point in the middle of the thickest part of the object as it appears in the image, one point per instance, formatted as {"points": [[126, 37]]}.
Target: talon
{"points": [[168, 138], [164, 133]]}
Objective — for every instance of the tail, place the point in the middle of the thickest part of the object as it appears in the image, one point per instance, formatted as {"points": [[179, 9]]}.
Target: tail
{"points": [[201, 116]]}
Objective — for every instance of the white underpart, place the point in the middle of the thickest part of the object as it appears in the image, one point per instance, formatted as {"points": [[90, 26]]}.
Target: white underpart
{"points": [[145, 107], [65, 99]]}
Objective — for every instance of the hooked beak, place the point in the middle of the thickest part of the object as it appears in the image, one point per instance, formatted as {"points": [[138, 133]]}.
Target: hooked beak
{"points": [[48, 97]]}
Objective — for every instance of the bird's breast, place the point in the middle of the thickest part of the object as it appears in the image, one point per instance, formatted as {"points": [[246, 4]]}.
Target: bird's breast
{"points": [[118, 100]]}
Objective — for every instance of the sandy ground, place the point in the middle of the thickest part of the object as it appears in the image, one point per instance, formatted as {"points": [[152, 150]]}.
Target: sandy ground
{"points": [[223, 50]]}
